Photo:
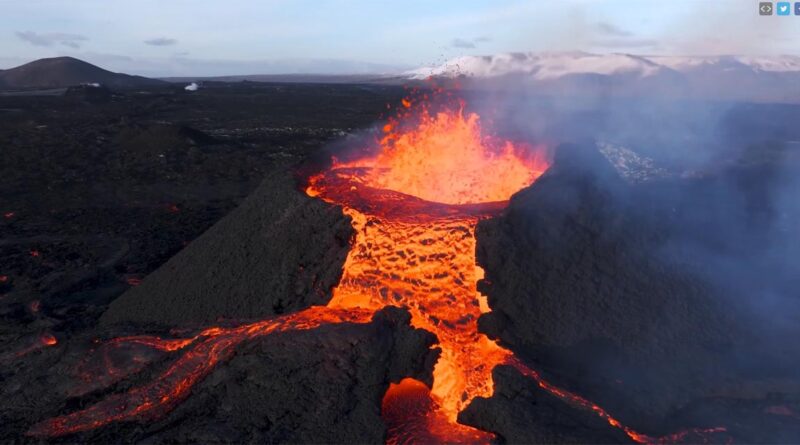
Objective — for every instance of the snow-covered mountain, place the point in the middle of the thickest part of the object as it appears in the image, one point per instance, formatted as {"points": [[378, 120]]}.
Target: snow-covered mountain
{"points": [[722, 77], [765, 64], [539, 66], [552, 65]]}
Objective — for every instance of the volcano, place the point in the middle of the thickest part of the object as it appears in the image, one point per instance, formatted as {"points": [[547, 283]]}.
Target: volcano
{"points": [[411, 291]]}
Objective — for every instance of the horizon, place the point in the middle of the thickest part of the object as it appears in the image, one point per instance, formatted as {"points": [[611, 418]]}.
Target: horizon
{"points": [[357, 37], [389, 74]]}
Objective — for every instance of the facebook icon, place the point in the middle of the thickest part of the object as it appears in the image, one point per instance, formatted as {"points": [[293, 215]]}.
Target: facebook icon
{"points": [[796, 8]]}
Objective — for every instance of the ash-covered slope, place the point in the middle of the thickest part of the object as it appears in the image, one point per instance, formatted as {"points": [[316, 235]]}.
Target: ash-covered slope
{"points": [[279, 252], [59, 72], [650, 299]]}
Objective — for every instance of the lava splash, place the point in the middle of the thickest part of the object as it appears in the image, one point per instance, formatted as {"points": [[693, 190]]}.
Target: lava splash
{"points": [[445, 157]]}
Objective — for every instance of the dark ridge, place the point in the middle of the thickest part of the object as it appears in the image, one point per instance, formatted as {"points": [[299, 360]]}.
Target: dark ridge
{"points": [[280, 251], [61, 72]]}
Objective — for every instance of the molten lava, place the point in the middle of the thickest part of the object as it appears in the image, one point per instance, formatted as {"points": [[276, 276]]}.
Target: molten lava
{"points": [[418, 251], [414, 205], [445, 158]]}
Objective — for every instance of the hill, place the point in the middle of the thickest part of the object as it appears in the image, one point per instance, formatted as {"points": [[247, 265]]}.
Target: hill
{"points": [[60, 72]]}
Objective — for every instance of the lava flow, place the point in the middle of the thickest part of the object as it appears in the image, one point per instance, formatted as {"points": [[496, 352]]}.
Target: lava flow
{"points": [[414, 205]]}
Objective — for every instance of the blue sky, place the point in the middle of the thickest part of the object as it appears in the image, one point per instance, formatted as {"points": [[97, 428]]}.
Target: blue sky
{"points": [[178, 37]]}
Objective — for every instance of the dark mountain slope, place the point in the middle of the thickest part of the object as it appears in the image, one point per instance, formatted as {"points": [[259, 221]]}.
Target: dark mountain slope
{"points": [[59, 72]]}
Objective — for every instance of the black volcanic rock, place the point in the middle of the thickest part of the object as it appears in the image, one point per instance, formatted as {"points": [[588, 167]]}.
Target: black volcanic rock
{"points": [[522, 412], [645, 298], [94, 94], [60, 72], [324, 386], [313, 386], [279, 252]]}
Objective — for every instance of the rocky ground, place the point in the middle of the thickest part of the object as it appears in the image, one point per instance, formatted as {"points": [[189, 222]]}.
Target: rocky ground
{"points": [[98, 190], [666, 297], [95, 196]]}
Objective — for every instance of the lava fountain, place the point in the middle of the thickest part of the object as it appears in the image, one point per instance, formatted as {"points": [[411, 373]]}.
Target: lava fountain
{"points": [[414, 203]]}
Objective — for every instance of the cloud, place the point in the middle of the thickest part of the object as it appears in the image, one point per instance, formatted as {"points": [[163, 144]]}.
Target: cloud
{"points": [[611, 30], [469, 43], [49, 39], [608, 35], [626, 43], [462, 43], [161, 41]]}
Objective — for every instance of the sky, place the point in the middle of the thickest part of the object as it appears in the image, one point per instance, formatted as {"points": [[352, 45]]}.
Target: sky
{"points": [[179, 37]]}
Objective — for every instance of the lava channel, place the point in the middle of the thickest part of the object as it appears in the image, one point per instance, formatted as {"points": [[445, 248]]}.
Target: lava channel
{"points": [[414, 206]]}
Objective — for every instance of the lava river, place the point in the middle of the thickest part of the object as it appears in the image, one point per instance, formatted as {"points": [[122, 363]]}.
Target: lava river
{"points": [[414, 205]]}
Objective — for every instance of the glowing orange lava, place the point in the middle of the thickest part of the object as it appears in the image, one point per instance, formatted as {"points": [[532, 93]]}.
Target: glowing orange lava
{"points": [[414, 207], [412, 416], [444, 157]]}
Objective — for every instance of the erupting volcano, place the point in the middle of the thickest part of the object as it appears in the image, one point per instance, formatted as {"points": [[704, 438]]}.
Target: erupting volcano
{"points": [[414, 202]]}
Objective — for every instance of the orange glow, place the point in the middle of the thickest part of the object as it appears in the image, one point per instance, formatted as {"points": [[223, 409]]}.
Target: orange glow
{"points": [[48, 339], [29, 345], [412, 416], [444, 157]]}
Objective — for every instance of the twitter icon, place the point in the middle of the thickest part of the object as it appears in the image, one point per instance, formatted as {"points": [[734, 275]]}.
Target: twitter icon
{"points": [[783, 8]]}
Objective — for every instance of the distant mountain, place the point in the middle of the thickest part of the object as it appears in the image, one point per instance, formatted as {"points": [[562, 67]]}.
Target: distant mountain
{"points": [[60, 72], [295, 78], [719, 77]]}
